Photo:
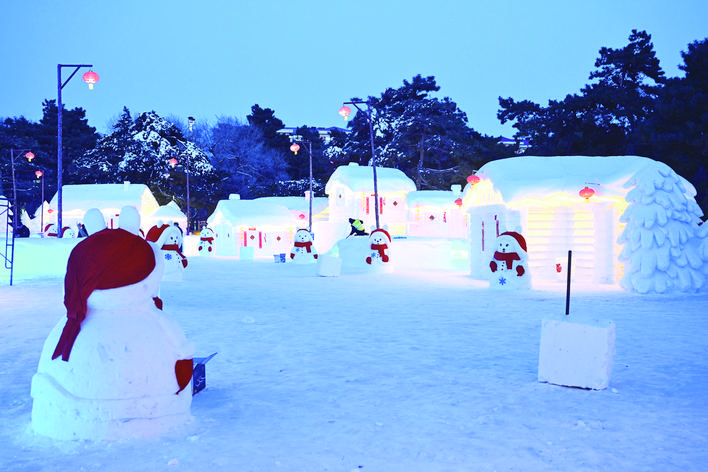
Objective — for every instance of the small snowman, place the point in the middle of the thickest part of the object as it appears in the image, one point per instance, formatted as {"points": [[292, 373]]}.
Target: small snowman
{"points": [[379, 239], [168, 238], [206, 242], [303, 250], [509, 264]]}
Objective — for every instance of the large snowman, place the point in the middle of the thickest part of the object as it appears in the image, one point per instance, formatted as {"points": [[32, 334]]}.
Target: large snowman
{"points": [[169, 239], [508, 268], [116, 367], [303, 250]]}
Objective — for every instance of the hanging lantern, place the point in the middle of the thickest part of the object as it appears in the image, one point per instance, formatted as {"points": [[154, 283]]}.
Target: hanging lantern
{"points": [[295, 147], [586, 193], [345, 111], [458, 202], [39, 174], [473, 179], [29, 156], [90, 78], [172, 162]]}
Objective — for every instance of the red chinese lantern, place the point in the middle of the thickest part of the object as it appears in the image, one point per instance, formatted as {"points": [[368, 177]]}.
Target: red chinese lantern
{"points": [[586, 193], [473, 179], [172, 162], [90, 78], [39, 173], [295, 147], [458, 202], [29, 156], [345, 111]]}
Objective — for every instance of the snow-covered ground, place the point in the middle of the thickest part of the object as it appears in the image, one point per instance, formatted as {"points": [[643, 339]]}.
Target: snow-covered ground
{"points": [[405, 371]]}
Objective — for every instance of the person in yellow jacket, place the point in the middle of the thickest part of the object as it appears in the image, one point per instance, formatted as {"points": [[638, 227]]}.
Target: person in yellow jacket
{"points": [[358, 228]]}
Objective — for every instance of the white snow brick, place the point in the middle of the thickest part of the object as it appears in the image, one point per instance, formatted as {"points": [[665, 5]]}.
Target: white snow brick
{"points": [[329, 266], [246, 253], [577, 354]]}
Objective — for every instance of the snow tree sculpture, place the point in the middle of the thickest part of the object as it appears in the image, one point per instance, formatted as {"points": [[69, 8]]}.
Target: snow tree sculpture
{"points": [[663, 237]]}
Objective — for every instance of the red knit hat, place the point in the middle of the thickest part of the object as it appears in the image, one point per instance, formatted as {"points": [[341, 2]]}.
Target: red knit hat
{"points": [[519, 239], [382, 231], [107, 259], [155, 233]]}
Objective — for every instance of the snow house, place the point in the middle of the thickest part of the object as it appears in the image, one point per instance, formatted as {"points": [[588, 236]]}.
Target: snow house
{"points": [[436, 214], [252, 228], [558, 203], [109, 198], [351, 195]]}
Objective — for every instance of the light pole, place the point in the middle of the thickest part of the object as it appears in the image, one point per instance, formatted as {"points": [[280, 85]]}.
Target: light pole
{"points": [[345, 111], [190, 121], [16, 214], [40, 176], [295, 147], [90, 78]]}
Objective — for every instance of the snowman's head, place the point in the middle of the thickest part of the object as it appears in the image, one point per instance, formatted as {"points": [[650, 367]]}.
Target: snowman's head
{"points": [[379, 237], [511, 242], [207, 233], [172, 236], [303, 236]]}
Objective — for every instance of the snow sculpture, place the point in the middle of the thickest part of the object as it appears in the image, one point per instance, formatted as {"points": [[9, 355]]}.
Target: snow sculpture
{"points": [[303, 250], [169, 239], [509, 265], [117, 367], [662, 238], [379, 240], [206, 242]]}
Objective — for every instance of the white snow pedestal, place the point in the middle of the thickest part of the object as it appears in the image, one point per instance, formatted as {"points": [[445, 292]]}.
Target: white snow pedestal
{"points": [[578, 353]]}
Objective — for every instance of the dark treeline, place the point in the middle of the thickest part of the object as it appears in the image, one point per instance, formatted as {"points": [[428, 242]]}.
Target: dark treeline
{"points": [[629, 107]]}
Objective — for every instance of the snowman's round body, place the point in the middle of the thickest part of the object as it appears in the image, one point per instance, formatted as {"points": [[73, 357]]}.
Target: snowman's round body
{"points": [[120, 379]]}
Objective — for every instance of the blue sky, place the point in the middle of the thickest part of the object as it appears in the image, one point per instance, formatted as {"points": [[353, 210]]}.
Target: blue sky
{"points": [[212, 58]]}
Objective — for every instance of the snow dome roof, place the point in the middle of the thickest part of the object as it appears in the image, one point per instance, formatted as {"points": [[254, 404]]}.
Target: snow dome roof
{"points": [[252, 213], [535, 176], [103, 196], [432, 197], [168, 211], [319, 204], [361, 179]]}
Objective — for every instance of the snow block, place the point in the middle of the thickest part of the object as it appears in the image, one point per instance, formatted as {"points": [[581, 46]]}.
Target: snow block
{"points": [[246, 253], [329, 266], [577, 354], [279, 258]]}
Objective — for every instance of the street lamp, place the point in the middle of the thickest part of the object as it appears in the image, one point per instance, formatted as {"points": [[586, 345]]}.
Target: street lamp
{"points": [[90, 78], [16, 214], [190, 121], [295, 147], [345, 111], [40, 176]]}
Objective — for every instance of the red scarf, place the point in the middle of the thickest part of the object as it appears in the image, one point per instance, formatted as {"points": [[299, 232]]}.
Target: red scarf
{"points": [[381, 248], [307, 244], [107, 259], [174, 247], [508, 257]]}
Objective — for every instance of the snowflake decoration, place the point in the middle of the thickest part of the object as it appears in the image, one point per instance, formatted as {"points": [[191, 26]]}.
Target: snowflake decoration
{"points": [[502, 280]]}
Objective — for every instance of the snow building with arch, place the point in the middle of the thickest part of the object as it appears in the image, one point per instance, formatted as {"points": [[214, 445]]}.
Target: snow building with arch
{"points": [[628, 219]]}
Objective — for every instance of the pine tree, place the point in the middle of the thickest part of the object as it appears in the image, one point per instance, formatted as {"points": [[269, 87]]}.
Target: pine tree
{"points": [[662, 237]]}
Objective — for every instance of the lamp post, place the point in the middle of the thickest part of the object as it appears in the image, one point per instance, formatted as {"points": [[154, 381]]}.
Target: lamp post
{"points": [[90, 78], [295, 147], [345, 111], [40, 176], [16, 214], [190, 121]]}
